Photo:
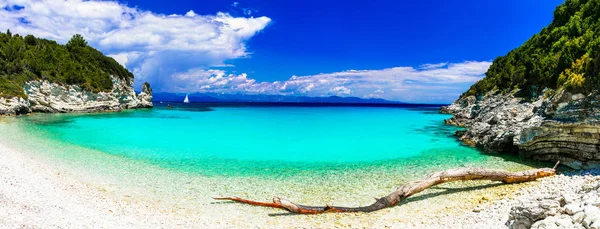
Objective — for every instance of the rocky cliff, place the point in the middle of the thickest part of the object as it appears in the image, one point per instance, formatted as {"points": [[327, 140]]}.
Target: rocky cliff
{"points": [[541, 99], [41, 75], [557, 125], [45, 96]]}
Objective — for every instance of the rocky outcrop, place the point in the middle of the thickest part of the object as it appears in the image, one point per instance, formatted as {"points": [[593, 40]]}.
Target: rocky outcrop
{"points": [[494, 122], [573, 201], [14, 106], [145, 97], [576, 145], [44, 96], [555, 126]]}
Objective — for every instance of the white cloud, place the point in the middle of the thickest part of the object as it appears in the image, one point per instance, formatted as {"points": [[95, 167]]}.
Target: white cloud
{"points": [[190, 13], [340, 90], [236, 8], [430, 66], [178, 53], [153, 46], [438, 83]]}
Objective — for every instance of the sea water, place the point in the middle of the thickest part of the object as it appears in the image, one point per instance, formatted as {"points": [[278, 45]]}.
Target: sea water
{"points": [[213, 139], [249, 139], [182, 156]]}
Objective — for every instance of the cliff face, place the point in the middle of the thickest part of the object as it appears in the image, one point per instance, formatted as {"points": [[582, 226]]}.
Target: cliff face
{"points": [[542, 99], [562, 126], [14, 106], [44, 96]]}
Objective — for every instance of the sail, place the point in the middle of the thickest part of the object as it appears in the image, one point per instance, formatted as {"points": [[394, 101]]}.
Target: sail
{"points": [[186, 99]]}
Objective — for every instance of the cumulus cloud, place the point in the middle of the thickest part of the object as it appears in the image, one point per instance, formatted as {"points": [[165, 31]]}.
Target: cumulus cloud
{"points": [[154, 46], [434, 83], [179, 52]]}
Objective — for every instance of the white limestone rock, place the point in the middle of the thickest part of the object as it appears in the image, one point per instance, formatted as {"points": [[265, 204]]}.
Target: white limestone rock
{"points": [[552, 126], [573, 208], [529, 211], [14, 106], [591, 219], [560, 221], [145, 97], [44, 96]]}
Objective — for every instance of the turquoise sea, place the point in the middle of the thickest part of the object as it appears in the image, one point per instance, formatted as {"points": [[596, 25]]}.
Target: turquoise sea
{"points": [[249, 140], [183, 156]]}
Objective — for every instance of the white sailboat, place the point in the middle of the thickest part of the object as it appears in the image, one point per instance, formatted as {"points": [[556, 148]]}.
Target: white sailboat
{"points": [[186, 100]]}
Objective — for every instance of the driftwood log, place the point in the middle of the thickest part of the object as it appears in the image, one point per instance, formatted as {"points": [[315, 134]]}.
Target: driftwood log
{"points": [[408, 189]]}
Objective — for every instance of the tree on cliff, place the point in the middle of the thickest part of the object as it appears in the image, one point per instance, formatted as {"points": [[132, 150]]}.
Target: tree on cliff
{"points": [[29, 58], [76, 41], [566, 54]]}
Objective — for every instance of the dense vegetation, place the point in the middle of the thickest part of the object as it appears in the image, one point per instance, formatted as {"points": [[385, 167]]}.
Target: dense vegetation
{"points": [[566, 55], [28, 58]]}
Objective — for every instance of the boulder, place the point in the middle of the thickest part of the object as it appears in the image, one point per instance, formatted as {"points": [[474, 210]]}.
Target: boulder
{"points": [[527, 213]]}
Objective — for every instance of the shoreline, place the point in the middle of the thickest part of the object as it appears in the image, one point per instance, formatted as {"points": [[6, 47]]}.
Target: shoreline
{"points": [[70, 186], [36, 193]]}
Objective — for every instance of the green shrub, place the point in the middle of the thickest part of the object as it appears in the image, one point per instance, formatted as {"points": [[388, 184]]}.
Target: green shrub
{"points": [[573, 79], [31, 58], [566, 54]]}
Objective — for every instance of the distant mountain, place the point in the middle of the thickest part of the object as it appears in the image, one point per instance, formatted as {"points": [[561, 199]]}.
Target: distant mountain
{"points": [[214, 97]]}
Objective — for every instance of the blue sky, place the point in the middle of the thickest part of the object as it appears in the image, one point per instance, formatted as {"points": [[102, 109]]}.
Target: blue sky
{"points": [[414, 51]]}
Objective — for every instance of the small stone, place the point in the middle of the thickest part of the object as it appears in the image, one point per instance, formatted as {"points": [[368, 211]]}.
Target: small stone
{"points": [[570, 198], [591, 220], [592, 200], [573, 208], [561, 221], [564, 222], [578, 217]]}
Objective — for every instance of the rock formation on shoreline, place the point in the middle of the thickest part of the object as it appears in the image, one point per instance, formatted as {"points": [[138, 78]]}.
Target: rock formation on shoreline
{"points": [[39, 75], [561, 127], [52, 98], [541, 100], [47, 97]]}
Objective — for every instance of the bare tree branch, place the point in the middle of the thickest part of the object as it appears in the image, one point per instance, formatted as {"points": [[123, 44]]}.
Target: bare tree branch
{"points": [[409, 189]]}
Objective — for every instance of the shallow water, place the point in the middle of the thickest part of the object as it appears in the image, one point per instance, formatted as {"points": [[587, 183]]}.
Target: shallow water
{"points": [[260, 140], [179, 158]]}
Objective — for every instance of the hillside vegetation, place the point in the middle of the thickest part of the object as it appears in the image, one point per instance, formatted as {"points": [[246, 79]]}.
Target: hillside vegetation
{"points": [[29, 58], [566, 55]]}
